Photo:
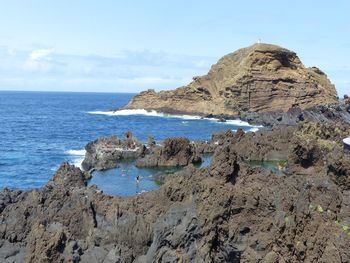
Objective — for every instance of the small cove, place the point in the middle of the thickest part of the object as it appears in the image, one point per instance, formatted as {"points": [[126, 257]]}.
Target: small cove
{"points": [[121, 181], [40, 130]]}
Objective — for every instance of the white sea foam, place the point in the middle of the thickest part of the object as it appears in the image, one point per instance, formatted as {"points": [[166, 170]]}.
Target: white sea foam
{"points": [[347, 141], [54, 169], [127, 113], [144, 112], [235, 122], [76, 152], [255, 129], [77, 157], [78, 163], [154, 113]]}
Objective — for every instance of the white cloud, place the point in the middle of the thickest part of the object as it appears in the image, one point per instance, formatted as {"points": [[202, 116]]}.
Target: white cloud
{"points": [[39, 60], [46, 69], [151, 80], [40, 55], [11, 51]]}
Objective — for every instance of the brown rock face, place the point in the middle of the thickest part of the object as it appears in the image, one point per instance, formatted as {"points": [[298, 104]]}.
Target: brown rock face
{"points": [[259, 78]]}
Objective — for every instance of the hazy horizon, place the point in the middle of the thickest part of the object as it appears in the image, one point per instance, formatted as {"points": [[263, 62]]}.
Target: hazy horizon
{"points": [[85, 46]]}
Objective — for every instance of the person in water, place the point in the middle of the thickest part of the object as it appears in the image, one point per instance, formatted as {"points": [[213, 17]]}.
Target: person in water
{"points": [[137, 183]]}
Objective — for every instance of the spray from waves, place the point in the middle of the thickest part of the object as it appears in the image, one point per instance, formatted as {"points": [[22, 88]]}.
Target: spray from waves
{"points": [[154, 113], [128, 112], [76, 152], [255, 129], [54, 169], [142, 112], [76, 157]]}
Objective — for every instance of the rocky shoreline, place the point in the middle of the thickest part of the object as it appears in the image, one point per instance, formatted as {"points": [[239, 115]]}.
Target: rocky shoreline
{"points": [[106, 153], [228, 212], [329, 113]]}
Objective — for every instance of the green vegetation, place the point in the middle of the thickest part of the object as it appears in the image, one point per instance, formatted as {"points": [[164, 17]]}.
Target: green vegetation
{"points": [[318, 208]]}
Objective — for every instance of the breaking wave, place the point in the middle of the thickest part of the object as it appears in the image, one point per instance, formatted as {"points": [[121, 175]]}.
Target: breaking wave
{"points": [[154, 113], [77, 157]]}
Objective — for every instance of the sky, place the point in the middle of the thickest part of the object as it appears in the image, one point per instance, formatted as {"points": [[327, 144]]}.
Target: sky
{"points": [[129, 46]]}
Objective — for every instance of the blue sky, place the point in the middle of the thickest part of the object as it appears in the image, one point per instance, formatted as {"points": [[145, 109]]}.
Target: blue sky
{"points": [[128, 46]]}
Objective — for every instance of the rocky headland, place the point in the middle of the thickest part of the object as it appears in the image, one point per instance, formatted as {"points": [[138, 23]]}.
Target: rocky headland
{"points": [[262, 84], [259, 78]]}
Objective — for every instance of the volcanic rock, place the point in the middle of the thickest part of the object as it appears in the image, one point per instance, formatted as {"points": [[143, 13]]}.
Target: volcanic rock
{"points": [[259, 78], [329, 113], [173, 152], [227, 212], [105, 153], [69, 176]]}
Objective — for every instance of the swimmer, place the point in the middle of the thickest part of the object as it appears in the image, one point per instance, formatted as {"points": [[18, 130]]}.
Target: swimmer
{"points": [[137, 184]]}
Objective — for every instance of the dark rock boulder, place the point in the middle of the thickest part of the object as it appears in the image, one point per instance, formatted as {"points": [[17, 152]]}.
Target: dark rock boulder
{"points": [[314, 145], [225, 163], [326, 113], [178, 228], [204, 147], [68, 176], [263, 145], [173, 152], [338, 168], [306, 153], [8, 197]]}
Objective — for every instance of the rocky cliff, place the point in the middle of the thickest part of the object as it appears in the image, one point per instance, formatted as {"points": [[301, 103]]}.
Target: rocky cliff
{"points": [[259, 78]]}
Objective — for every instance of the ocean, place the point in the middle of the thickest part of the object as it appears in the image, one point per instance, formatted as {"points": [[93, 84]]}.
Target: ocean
{"points": [[40, 130]]}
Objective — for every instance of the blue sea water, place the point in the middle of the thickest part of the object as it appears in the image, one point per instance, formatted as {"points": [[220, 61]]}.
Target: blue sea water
{"points": [[40, 130]]}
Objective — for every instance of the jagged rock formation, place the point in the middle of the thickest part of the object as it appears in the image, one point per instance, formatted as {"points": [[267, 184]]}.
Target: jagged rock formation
{"points": [[330, 113], [173, 152], [227, 212], [259, 78], [105, 153]]}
